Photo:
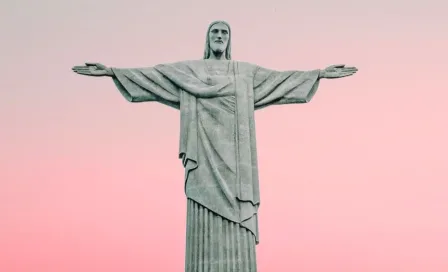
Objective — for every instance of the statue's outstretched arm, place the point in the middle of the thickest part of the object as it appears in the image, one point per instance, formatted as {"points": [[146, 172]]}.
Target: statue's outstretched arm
{"points": [[290, 87], [136, 84]]}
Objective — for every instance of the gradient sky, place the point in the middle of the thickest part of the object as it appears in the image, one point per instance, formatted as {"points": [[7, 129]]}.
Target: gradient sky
{"points": [[355, 181]]}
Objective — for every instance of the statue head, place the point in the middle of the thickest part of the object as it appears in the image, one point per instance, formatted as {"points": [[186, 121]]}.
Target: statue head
{"points": [[218, 40]]}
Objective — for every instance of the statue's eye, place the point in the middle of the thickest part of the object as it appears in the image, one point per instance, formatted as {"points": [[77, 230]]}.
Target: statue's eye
{"points": [[225, 32]]}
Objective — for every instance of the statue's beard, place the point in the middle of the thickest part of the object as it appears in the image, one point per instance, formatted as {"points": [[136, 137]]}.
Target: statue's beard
{"points": [[218, 51]]}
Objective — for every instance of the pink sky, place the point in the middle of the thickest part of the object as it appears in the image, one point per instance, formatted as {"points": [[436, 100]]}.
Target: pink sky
{"points": [[90, 182]]}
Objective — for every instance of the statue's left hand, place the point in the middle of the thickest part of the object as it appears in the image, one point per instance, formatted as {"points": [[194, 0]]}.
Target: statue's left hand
{"points": [[337, 71]]}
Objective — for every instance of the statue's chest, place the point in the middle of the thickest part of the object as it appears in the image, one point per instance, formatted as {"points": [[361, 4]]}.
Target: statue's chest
{"points": [[218, 73]]}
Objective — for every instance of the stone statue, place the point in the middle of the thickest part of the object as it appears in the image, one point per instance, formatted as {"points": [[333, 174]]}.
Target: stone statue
{"points": [[217, 98]]}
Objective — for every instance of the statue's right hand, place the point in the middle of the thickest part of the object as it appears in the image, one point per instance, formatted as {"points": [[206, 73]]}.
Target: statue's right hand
{"points": [[93, 69]]}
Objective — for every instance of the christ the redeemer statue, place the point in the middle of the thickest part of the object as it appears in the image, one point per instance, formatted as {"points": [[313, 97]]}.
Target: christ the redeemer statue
{"points": [[217, 98]]}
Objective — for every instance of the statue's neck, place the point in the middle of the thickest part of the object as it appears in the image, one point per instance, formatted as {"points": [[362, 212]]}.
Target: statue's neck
{"points": [[218, 55]]}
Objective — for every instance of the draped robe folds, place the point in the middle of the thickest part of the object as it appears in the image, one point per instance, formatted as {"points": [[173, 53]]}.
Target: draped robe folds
{"points": [[217, 100]]}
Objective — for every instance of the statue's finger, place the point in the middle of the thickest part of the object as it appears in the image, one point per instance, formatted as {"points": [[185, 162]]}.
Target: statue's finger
{"points": [[91, 63], [338, 65], [79, 67], [82, 69], [87, 73], [346, 74]]}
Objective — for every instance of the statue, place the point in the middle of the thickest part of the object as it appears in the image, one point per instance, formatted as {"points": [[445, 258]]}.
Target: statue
{"points": [[217, 98]]}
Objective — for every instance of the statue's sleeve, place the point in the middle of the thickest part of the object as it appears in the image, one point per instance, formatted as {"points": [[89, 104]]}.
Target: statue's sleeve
{"points": [[283, 87], [146, 84]]}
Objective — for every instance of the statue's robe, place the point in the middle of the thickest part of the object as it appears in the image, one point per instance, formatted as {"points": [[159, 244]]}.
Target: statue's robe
{"points": [[217, 100]]}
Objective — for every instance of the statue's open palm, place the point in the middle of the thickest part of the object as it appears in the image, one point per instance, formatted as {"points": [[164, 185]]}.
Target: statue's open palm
{"points": [[92, 69], [339, 70]]}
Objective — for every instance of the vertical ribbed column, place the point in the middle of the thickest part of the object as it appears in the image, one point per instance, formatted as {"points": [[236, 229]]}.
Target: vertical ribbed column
{"points": [[215, 244]]}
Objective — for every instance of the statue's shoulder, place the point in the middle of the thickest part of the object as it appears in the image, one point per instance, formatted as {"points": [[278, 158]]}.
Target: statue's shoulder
{"points": [[186, 66], [246, 68], [189, 64], [193, 62], [246, 65]]}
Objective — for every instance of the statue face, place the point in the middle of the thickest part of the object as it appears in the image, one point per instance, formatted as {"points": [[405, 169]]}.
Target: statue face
{"points": [[219, 37]]}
